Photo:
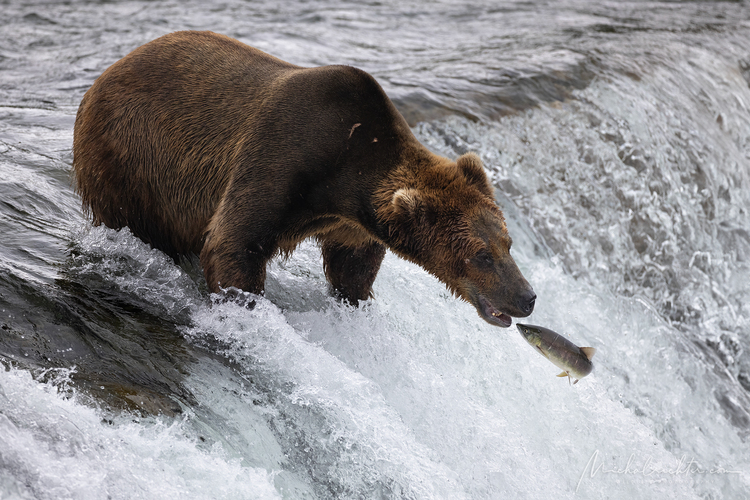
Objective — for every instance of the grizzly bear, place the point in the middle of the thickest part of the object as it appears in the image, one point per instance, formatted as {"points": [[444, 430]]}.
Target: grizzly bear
{"points": [[203, 145]]}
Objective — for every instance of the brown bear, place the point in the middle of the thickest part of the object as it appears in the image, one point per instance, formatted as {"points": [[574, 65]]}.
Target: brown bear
{"points": [[201, 144]]}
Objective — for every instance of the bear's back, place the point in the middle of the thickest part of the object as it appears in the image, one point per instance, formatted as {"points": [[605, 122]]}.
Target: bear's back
{"points": [[160, 134]]}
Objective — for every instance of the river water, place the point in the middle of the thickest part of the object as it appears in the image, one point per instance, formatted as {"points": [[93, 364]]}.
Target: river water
{"points": [[617, 135]]}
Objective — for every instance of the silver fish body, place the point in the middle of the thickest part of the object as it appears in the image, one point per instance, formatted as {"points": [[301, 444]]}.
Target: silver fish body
{"points": [[574, 361]]}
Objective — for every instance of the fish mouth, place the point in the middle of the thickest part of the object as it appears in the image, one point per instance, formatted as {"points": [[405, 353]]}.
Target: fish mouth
{"points": [[491, 315]]}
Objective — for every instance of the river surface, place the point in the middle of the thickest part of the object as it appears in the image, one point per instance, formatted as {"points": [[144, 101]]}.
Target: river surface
{"points": [[617, 135]]}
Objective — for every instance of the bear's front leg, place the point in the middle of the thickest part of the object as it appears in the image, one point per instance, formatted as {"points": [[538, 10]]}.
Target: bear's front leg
{"points": [[352, 270], [235, 264]]}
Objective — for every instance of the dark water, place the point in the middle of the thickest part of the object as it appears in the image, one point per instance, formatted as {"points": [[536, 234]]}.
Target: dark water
{"points": [[618, 136]]}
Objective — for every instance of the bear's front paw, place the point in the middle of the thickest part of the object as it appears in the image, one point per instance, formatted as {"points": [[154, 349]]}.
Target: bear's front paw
{"points": [[235, 295]]}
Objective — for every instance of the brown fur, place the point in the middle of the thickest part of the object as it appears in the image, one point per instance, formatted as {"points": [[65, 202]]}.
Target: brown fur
{"points": [[201, 144]]}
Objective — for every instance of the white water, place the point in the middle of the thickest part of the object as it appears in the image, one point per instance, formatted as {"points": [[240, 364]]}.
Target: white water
{"points": [[405, 397], [55, 448], [627, 202]]}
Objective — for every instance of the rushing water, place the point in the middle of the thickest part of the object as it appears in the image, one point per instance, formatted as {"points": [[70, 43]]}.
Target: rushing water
{"points": [[618, 137]]}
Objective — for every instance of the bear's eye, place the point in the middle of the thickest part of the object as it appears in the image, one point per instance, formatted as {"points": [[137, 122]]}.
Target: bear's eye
{"points": [[484, 258]]}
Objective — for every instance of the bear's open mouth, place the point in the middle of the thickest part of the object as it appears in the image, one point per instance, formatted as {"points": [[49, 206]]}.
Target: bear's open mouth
{"points": [[492, 315]]}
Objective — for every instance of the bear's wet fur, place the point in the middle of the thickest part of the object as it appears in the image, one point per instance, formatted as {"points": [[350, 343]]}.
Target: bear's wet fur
{"points": [[203, 145]]}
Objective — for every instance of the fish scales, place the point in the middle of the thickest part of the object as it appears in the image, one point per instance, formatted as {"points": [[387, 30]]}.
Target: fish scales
{"points": [[573, 360]]}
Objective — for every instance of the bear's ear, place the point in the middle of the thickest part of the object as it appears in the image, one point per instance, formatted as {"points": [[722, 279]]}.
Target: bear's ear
{"points": [[407, 200], [471, 167]]}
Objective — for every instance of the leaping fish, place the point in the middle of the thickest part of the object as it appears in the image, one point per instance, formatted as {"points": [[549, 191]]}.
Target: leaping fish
{"points": [[574, 361]]}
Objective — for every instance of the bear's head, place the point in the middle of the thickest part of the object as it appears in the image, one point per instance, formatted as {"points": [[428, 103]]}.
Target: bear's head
{"points": [[443, 217]]}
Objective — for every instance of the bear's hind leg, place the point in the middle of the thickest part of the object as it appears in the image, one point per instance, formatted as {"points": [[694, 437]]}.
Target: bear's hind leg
{"points": [[352, 270]]}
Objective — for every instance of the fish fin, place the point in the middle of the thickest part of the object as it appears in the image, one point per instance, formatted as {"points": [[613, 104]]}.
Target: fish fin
{"points": [[564, 374], [542, 352], [588, 352]]}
